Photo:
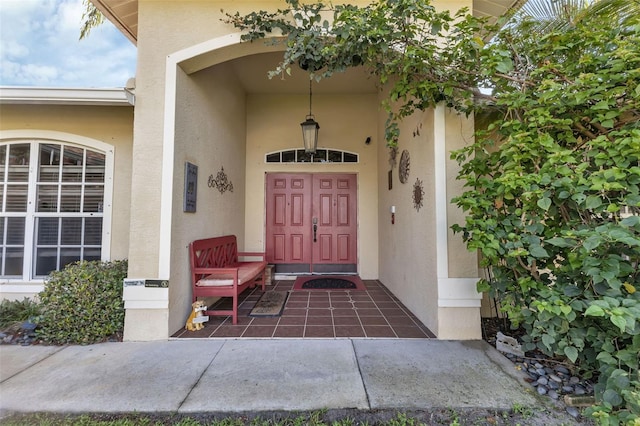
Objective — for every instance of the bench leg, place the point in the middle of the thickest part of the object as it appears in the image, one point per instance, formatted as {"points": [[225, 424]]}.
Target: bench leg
{"points": [[234, 315]]}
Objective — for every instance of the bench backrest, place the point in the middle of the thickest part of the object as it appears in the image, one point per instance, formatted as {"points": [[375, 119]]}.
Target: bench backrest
{"points": [[217, 252]]}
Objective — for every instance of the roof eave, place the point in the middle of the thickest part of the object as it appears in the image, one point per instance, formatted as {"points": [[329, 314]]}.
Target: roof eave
{"points": [[124, 13], [128, 25]]}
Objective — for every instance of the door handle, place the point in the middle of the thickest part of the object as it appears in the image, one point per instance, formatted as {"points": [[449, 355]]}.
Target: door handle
{"points": [[315, 229]]}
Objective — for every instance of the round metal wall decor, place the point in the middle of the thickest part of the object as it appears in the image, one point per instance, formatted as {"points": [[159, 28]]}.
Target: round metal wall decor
{"points": [[418, 194], [403, 171]]}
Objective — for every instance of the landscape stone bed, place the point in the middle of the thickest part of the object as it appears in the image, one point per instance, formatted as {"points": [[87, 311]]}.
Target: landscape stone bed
{"points": [[553, 381], [548, 376], [24, 334], [19, 334]]}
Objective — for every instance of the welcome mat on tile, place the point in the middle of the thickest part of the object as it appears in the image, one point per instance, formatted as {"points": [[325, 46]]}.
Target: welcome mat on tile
{"points": [[270, 304], [329, 282]]}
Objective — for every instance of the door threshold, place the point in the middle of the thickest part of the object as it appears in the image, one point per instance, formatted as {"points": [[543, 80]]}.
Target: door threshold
{"points": [[294, 275]]}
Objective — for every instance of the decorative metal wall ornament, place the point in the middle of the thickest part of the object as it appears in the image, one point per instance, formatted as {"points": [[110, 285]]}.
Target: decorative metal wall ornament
{"points": [[418, 194], [403, 171], [416, 132], [221, 182], [393, 155]]}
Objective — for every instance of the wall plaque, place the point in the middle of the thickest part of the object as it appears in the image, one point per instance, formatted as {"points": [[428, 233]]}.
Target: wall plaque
{"points": [[190, 187]]}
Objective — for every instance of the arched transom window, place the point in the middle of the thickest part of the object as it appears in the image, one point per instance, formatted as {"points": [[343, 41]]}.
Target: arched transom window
{"points": [[320, 156]]}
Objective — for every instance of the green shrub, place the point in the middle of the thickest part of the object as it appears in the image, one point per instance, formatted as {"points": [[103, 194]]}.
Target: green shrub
{"points": [[14, 311], [82, 303], [555, 208]]}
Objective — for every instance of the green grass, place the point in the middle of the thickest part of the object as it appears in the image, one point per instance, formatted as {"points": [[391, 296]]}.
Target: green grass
{"points": [[315, 418], [445, 417], [157, 420], [525, 412], [518, 415]]}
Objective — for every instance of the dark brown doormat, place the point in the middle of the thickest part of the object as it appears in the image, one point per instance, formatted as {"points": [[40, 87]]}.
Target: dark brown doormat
{"points": [[270, 304], [329, 282]]}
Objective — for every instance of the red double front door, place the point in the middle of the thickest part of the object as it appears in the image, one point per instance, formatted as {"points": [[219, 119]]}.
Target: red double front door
{"points": [[311, 222]]}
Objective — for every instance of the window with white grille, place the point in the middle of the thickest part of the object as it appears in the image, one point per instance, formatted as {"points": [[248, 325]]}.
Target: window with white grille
{"points": [[52, 198]]}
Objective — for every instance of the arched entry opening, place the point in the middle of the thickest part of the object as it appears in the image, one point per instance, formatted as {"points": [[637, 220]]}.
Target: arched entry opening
{"points": [[223, 115]]}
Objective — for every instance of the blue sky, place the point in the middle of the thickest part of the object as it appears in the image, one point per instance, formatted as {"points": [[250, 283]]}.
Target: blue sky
{"points": [[39, 46]]}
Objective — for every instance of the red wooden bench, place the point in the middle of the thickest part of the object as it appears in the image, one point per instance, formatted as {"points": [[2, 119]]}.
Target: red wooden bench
{"points": [[217, 272]]}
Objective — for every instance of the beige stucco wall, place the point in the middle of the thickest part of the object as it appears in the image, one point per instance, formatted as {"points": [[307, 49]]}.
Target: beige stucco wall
{"points": [[463, 320], [273, 123], [459, 133], [408, 256], [74, 124], [111, 125], [164, 28], [210, 133]]}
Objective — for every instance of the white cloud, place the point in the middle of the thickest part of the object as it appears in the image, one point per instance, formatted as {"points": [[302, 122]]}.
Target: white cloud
{"points": [[13, 49], [39, 46], [25, 74]]}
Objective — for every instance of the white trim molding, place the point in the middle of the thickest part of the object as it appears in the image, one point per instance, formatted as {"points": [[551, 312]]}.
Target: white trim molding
{"points": [[458, 293], [139, 297], [30, 287], [452, 292], [64, 96], [441, 201]]}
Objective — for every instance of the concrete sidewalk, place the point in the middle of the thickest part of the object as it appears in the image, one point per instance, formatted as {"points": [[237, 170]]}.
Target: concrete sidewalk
{"points": [[191, 376]]}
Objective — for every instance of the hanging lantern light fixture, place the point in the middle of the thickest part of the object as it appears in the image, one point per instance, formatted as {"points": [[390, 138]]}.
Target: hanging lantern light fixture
{"points": [[310, 129]]}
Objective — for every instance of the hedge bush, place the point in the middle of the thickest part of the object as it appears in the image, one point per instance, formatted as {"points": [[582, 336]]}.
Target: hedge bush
{"points": [[555, 208], [82, 304]]}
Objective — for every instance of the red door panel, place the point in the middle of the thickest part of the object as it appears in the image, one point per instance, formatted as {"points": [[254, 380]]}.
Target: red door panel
{"points": [[295, 203], [277, 250], [334, 205], [280, 202], [288, 236]]}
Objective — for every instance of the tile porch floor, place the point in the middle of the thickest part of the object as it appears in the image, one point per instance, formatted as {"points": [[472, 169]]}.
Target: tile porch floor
{"points": [[374, 313]]}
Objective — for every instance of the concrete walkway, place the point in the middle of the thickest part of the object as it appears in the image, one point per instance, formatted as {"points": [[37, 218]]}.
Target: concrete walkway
{"points": [[199, 375]]}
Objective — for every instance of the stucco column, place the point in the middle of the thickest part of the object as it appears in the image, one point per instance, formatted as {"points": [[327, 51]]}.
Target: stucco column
{"points": [[457, 272], [147, 307]]}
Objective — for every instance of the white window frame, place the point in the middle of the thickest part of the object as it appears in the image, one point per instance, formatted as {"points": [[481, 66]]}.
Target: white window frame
{"points": [[36, 138]]}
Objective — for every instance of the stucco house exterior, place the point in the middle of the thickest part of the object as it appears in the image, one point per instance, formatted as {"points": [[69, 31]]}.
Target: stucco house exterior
{"points": [[113, 172], [65, 162]]}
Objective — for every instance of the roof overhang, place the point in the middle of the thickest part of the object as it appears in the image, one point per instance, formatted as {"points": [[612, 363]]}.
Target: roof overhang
{"points": [[124, 13], [493, 9], [64, 96]]}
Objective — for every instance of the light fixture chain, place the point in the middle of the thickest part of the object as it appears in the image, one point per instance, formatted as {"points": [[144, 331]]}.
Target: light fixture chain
{"points": [[310, 81]]}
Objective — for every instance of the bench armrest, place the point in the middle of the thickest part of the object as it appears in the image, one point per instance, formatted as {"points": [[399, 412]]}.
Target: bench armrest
{"points": [[208, 271], [251, 254]]}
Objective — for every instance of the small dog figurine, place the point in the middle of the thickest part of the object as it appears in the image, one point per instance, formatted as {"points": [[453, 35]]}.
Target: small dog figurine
{"points": [[196, 312]]}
